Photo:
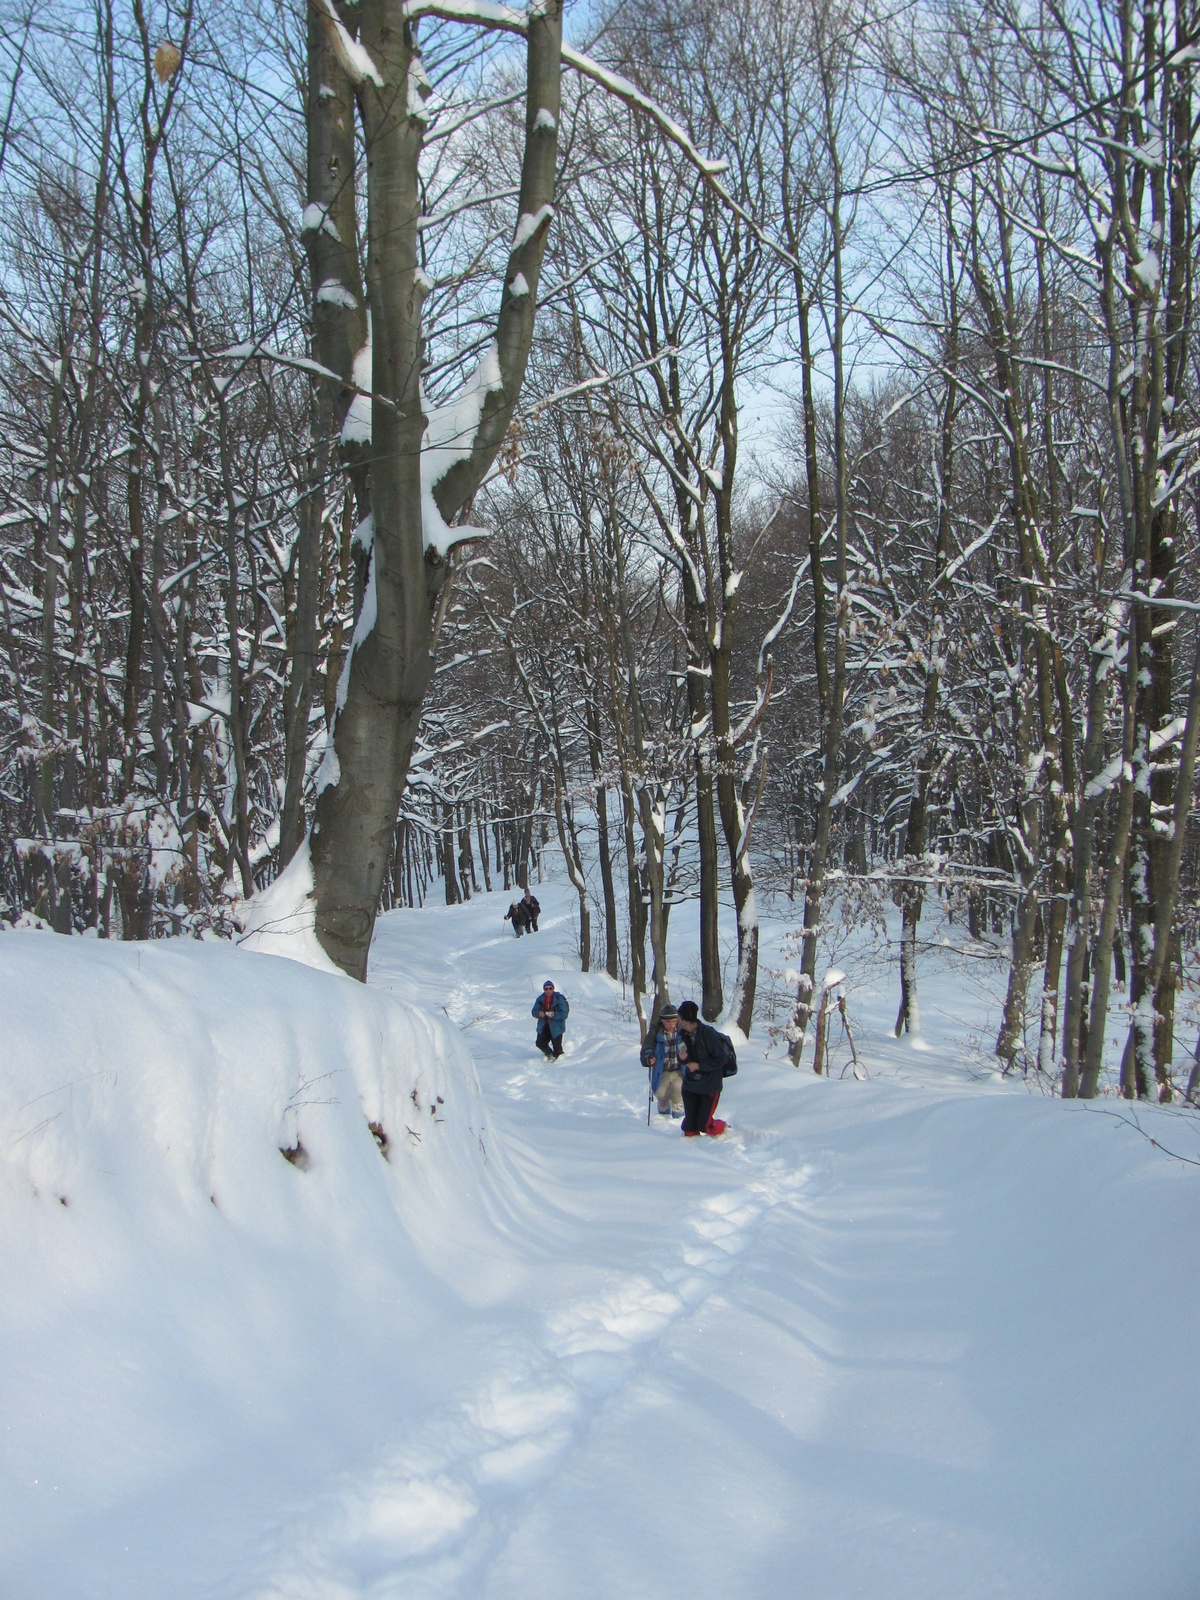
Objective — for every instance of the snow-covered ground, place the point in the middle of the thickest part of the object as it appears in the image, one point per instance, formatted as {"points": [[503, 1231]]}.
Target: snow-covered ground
{"points": [[922, 1335]]}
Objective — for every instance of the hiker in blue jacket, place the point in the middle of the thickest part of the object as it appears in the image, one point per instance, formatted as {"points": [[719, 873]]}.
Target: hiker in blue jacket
{"points": [[660, 1056], [550, 1009]]}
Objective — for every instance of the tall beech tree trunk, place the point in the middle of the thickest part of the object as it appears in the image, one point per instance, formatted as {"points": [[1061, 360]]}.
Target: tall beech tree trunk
{"points": [[1101, 662], [712, 998], [390, 665], [1118, 850], [831, 685], [1156, 1008]]}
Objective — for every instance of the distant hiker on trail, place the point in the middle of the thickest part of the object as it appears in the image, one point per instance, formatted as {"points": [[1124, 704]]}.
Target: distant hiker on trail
{"points": [[518, 916], [708, 1059], [660, 1056], [550, 1009], [532, 910]]}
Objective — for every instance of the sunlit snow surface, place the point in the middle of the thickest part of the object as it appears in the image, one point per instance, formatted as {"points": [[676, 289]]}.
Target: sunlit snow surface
{"points": [[918, 1336]]}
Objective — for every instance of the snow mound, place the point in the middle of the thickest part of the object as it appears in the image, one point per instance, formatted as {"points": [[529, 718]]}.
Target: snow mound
{"points": [[235, 1190], [169, 1076]]}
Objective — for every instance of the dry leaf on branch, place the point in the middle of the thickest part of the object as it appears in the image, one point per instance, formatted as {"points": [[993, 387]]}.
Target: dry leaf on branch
{"points": [[166, 60]]}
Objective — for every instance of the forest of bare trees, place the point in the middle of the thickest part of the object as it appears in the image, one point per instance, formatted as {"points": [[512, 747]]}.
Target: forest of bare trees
{"points": [[753, 452]]}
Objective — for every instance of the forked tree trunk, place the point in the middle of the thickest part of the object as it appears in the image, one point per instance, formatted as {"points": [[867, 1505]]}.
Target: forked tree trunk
{"points": [[390, 666]]}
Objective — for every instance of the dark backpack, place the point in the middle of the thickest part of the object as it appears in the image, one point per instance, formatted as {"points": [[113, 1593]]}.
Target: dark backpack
{"points": [[723, 1051]]}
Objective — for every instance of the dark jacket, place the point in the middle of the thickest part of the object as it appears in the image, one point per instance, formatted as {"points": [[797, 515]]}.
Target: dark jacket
{"points": [[558, 1013], [518, 914], [707, 1050], [532, 908]]}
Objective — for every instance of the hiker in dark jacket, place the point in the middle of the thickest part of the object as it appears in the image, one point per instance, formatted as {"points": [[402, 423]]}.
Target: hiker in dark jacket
{"points": [[660, 1056], [517, 915], [550, 1008], [532, 910], [704, 1053]]}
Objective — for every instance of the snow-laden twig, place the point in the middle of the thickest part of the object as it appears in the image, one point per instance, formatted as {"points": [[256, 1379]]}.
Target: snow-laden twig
{"points": [[484, 14], [600, 380]]}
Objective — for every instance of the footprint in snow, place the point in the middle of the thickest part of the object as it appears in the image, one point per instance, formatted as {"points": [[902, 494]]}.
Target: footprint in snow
{"points": [[421, 1520]]}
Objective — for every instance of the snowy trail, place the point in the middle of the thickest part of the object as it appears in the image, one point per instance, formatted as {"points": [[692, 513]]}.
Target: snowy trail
{"points": [[732, 1367], [908, 1339], [433, 1516]]}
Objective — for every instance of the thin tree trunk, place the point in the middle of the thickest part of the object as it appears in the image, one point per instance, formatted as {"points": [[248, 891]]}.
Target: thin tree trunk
{"points": [[1154, 1012], [1102, 965], [1102, 660], [569, 842], [712, 998]]}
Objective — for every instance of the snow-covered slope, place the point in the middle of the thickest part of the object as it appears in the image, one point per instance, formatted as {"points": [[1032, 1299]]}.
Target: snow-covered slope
{"points": [[908, 1338], [192, 1325]]}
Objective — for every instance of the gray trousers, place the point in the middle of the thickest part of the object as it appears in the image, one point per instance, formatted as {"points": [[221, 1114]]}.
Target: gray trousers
{"points": [[669, 1093]]}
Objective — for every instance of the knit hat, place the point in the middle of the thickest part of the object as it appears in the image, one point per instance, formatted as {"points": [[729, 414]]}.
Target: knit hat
{"points": [[690, 1011], [666, 1012], [549, 984]]}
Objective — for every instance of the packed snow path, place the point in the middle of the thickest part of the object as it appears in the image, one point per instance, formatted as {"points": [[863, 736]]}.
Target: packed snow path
{"points": [[874, 1341], [901, 1339]]}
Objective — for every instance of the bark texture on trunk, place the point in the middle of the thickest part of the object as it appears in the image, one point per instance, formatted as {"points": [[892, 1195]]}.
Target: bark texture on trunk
{"points": [[339, 331], [389, 668]]}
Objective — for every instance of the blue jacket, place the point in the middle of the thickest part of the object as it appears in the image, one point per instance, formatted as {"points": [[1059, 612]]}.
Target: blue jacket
{"points": [[654, 1056], [558, 1013]]}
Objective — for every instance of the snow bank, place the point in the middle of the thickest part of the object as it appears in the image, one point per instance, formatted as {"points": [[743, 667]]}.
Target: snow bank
{"points": [[279, 920], [176, 1289]]}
